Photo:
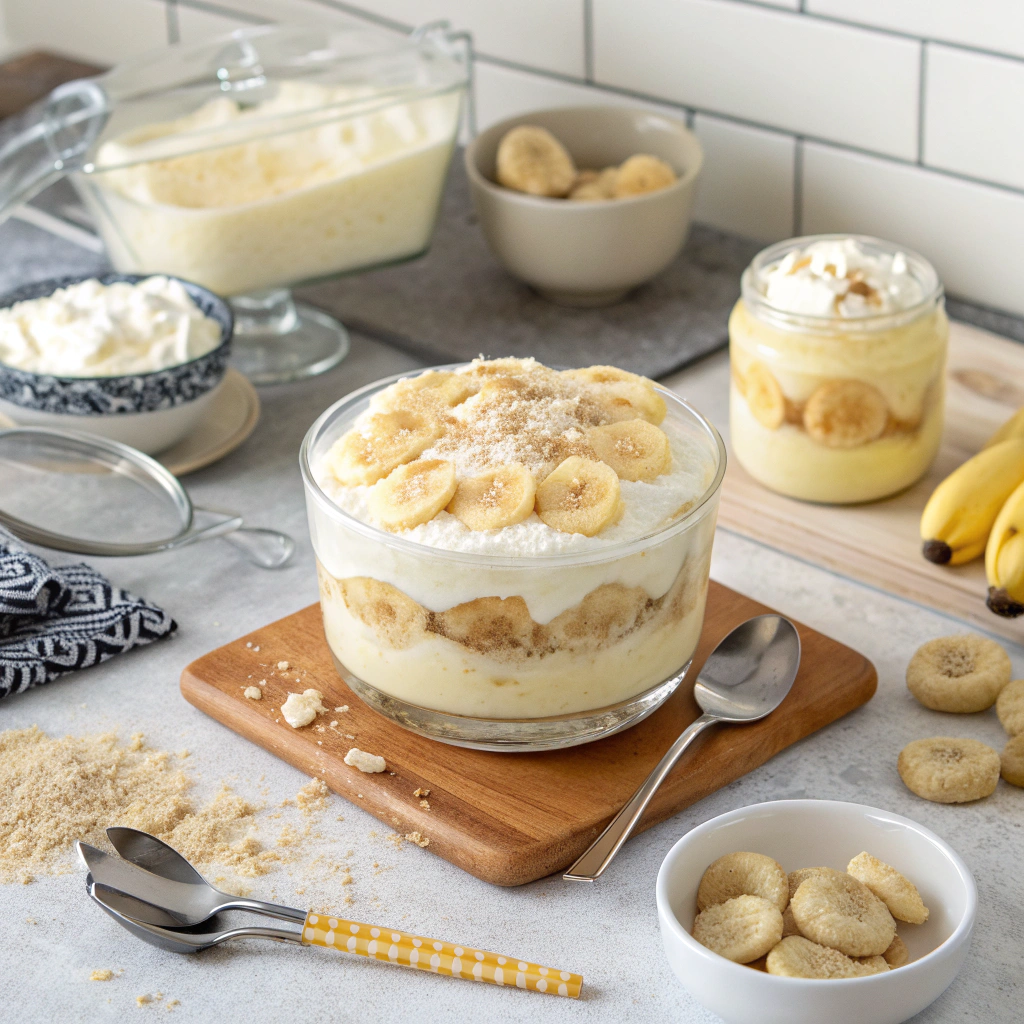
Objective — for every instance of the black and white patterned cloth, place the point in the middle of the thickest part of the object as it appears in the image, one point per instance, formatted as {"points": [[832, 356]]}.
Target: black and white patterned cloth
{"points": [[55, 620]]}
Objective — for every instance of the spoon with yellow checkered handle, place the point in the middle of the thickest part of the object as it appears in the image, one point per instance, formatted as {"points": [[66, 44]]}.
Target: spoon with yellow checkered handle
{"points": [[141, 912]]}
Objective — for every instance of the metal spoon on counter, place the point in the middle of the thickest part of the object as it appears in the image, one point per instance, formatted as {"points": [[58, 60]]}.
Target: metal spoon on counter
{"points": [[747, 676]]}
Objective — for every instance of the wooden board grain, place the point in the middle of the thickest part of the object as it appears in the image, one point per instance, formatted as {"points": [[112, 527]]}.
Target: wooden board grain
{"points": [[879, 543], [512, 818]]}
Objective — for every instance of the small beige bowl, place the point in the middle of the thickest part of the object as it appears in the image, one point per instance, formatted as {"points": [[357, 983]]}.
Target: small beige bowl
{"points": [[588, 253]]}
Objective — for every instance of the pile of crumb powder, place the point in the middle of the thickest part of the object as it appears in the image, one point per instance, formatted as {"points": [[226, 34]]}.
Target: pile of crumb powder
{"points": [[59, 790]]}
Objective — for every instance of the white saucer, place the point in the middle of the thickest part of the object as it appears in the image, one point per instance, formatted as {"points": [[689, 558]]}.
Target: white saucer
{"points": [[230, 419]]}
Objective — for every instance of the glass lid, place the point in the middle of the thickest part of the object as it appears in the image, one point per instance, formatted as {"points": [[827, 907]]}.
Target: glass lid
{"points": [[256, 82]]}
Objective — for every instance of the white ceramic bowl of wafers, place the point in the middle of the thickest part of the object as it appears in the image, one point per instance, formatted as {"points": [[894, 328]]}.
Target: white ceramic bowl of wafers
{"points": [[804, 833]]}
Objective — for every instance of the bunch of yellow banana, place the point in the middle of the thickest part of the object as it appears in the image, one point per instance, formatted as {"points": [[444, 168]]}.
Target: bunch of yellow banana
{"points": [[980, 508]]}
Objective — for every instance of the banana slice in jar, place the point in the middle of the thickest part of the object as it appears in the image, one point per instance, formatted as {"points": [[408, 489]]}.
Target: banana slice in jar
{"points": [[580, 496], [412, 494], [530, 159], [606, 375], [369, 452], [641, 174], [846, 414], [496, 499], [635, 449], [435, 391], [764, 397]]}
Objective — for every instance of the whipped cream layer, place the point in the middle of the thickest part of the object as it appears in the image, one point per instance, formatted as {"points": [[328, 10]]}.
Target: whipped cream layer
{"points": [[94, 330], [840, 278]]}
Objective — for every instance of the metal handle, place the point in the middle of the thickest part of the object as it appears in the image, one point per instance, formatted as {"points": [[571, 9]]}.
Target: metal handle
{"points": [[267, 909], [601, 851], [277, 934], [269, 549]]}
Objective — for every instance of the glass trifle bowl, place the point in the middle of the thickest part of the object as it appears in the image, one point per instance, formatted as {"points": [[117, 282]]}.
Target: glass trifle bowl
{"points": [[525, 636], [838, 351]]}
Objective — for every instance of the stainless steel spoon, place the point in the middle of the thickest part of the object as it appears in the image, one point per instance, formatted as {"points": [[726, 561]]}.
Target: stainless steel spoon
{"points": [[746, 678], [171, 893], [122, 908]]}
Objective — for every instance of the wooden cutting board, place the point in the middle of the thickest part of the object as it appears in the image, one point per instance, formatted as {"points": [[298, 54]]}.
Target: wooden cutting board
{"points": [[512, 818], [879, 543]]}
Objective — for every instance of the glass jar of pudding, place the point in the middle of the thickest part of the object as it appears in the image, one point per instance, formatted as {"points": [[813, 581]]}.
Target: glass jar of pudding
{"points": [[838, 353], [522, 637]]}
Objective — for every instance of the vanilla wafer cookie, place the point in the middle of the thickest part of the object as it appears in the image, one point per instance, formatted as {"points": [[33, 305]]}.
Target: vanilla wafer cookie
{"points": [[844, 914], [898, 893], [797, 957], [1010, 707], [738, 874], [802, 874], [740, 929], [962, 674], [948, 770], [1012, 761], [897, 954]]}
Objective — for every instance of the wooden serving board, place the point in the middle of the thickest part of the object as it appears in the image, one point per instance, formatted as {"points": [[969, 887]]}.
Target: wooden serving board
{"points": [[512, 818], [879, 543]]}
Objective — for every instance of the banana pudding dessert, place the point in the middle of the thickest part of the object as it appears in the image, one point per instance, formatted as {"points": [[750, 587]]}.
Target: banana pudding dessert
{"points": [[512, 556], [838, 353]]}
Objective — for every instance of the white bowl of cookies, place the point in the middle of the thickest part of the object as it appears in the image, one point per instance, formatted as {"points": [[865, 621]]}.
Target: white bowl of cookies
{"points": [[806, 911]]}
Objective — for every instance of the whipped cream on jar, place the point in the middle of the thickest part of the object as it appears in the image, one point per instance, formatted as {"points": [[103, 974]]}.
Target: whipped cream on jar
{"points": [[91, 329], [840, 277]]}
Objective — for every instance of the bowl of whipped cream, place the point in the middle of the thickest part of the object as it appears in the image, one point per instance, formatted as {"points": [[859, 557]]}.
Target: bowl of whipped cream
{"points": [[136, 359]]}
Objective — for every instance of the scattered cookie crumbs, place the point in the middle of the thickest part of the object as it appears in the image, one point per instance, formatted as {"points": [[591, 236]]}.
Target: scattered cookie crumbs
{"points": [[101, 974], [334, 724], [300, 891], [283, 666], [302, 708], [143, 1000], [172, 1002], [248, 643], [312, 796], [256, 648], [261, 682], [425, 804], [31, 920], [418, 839], [342, 709], [253, 693], [364, 761], [349, 736], [60, 790], [420, 791]]}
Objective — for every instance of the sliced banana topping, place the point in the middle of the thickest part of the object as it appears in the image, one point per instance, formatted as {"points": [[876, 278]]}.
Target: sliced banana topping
{"points": [[845, 414], [432, 392], [605, 375], [764, 396], [412, 494], [369, 452], [580, 496], [643, 173], [625, 400], [530, 159], [491, 501], [635, 449]]}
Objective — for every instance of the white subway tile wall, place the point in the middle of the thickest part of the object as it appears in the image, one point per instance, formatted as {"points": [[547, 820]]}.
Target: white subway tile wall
{"points": [[902, 118], [778, 69], [974, 234], [974, 114]]}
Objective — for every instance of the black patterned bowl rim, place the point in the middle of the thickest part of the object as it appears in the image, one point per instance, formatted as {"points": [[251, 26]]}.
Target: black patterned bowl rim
{"points": [[118, 394]]}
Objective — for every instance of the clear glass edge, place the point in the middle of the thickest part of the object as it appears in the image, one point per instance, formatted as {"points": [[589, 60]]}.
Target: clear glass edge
{"points": [[610, 553]]}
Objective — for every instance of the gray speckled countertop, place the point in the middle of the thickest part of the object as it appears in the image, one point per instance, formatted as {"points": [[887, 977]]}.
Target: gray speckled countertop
{"points": [[608, 931]]}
